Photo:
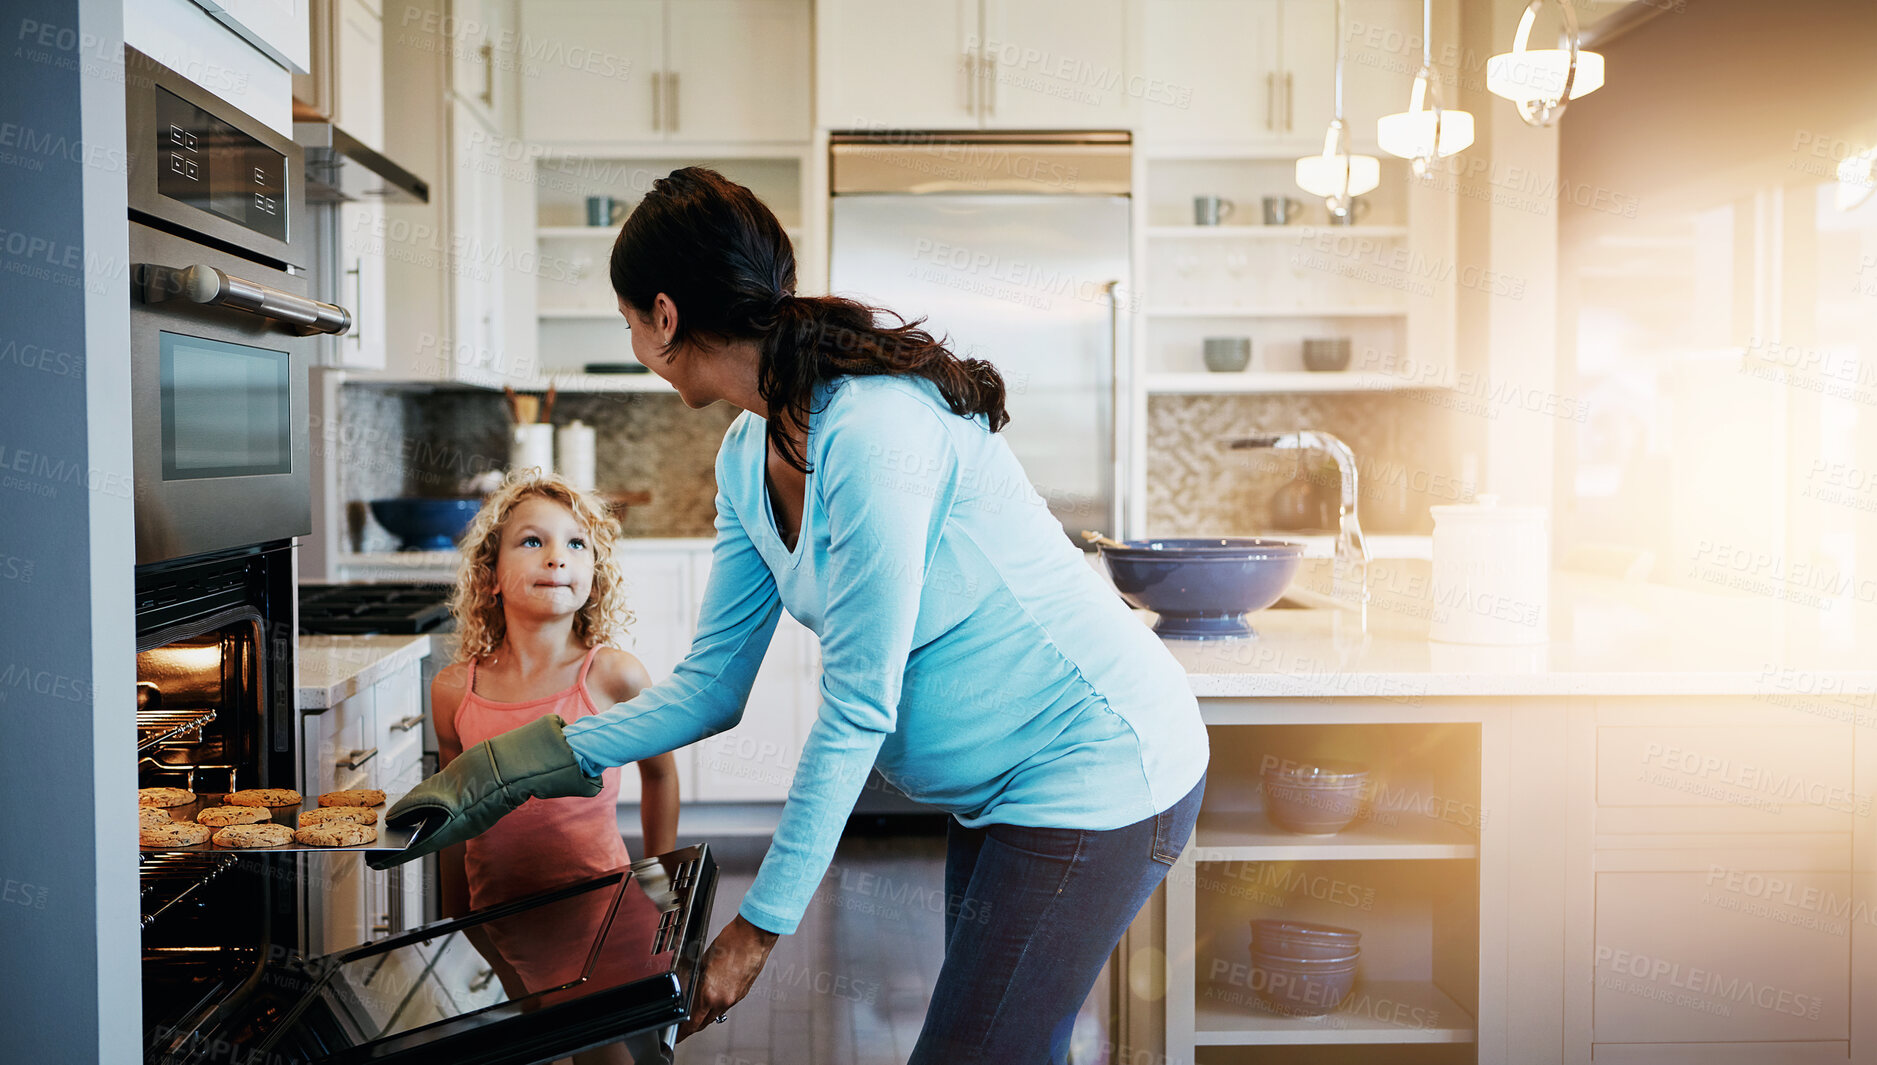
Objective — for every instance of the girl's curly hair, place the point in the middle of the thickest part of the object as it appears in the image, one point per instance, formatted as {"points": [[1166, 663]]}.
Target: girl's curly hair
{"points": [[480, 624]]}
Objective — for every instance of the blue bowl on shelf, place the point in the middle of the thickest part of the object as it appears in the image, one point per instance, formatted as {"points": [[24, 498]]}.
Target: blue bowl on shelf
{"points": [[425, 524], [1202, 588]]}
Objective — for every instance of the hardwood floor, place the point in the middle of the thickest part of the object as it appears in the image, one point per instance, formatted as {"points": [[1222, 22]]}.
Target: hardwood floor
{"points": [[850, 987]]}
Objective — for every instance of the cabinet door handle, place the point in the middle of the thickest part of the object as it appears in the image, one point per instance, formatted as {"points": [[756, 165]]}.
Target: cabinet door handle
{"points": [[671, 103], [407, 723], [1287, 101], [357, 274], [488, 74], [970, 69], [482, 980], [357, 758], [1270, 100], [658, 101], [990, 85]]}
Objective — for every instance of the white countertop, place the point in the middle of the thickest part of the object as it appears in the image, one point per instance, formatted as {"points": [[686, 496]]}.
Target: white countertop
{"points": [[333, 668], [1608, 637]]}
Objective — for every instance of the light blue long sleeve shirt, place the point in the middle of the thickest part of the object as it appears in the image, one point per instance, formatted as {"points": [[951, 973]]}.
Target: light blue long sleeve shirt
{"points": [[968, 650]]}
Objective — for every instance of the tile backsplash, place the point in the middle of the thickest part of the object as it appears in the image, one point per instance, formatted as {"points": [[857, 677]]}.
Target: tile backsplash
{"points": [[406, 442], [1406, 459], [400, 441]]}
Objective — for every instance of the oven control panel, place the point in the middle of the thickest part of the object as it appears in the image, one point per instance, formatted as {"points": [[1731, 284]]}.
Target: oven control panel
{"points": [[212, 166]]}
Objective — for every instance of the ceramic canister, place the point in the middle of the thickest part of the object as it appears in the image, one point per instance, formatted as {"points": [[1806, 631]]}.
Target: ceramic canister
{"points": [[1492, 573], [531, 445], [573, 449]]}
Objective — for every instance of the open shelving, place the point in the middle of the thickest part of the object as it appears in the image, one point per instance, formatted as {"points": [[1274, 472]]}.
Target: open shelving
{"points": [[575, 316], [1406, 874], [1275, 381]]}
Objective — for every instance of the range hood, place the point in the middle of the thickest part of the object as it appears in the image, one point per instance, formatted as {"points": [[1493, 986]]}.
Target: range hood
{"points": [[339, 169]]}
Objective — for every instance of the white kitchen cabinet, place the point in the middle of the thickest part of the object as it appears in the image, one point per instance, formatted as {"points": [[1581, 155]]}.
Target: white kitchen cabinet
{"points": [[473, 257], [756, 760], [371, 739], [1255, 72], [1711, 955], [362, 235], [618, 72], [593, 70], [663, 591], [901, 64], [736, 70], [1004, 64], [1221, 60], [1382, 50], [482, 47], [1056, 64], [347, 83]]}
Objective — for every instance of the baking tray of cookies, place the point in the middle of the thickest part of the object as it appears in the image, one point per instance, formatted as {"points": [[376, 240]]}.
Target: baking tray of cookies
{"points": [[389, 839]]}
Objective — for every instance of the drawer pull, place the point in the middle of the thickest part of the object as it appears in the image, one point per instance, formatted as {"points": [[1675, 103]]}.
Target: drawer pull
{"points": [[358, 758], [408, 723], [482, 980]]}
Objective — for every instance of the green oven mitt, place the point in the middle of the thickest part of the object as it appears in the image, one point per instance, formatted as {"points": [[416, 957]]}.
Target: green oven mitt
{"points": [[482, 784]]}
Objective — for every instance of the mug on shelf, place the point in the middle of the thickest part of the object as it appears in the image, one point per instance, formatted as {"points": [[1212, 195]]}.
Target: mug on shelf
{"points": [[1211, 210], [604, 211], [1357, 210], [1280, 210]]}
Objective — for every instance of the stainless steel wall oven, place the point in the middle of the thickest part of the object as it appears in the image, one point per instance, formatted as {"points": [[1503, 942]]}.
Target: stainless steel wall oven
{"points": [[221, 328]]}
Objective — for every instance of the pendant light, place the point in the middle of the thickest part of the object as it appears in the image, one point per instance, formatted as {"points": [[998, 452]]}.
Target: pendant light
{"points": [[1426, 131], [1336, 175], [1541, 82], [1857, 179]]}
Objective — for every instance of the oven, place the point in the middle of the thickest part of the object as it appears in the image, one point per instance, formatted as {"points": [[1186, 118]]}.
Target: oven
{"points": [[222, 326], [232, 970]]}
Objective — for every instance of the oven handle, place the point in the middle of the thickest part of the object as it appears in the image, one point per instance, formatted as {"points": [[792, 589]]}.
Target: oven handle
{"points": [[216, 288]]}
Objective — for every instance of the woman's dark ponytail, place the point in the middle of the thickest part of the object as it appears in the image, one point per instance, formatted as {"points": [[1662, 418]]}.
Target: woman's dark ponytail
{"points": [[711, 245]]}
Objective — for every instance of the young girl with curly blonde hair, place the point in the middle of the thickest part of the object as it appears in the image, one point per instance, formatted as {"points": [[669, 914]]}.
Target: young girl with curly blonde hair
{"points": [[540, 603]]}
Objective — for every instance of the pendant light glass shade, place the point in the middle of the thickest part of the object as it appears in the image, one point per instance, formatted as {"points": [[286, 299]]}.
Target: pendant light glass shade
{"points": [[1857, 180], [1423, 133], [1426, 131], [1336, 175], [1542, 81]]}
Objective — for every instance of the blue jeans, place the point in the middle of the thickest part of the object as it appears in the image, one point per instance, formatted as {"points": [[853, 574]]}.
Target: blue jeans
{"points": [[1031, 915]]}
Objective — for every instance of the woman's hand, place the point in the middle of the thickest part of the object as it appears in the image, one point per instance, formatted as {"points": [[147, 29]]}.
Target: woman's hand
{"points": [[731, 966]]}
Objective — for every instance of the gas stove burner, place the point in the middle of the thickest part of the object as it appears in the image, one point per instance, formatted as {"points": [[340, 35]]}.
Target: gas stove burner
{"points": [[374, 609]]}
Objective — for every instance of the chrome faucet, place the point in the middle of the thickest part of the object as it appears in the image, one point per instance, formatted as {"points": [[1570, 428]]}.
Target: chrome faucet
{"points": [[1351, 564]]}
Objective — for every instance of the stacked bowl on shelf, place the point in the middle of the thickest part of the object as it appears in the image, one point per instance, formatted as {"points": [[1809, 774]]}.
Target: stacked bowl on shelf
{"points": [[1303, 970]]}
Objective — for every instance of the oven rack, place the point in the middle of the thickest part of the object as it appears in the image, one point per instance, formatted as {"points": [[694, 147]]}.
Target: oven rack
{"points": [[166, 879], [156, 727]]}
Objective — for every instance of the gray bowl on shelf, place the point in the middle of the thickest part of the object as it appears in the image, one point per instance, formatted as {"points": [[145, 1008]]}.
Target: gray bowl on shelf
{"points": [[1326, 354], [1226, 354]]}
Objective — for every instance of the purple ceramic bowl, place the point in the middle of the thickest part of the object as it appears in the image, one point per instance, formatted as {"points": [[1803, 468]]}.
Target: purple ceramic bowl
{"points": [[1301, 988], [1304, 942], [1203, 588]]}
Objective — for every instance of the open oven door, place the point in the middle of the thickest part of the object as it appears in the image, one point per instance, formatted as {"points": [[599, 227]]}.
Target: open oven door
{"points": [[481, 990]]}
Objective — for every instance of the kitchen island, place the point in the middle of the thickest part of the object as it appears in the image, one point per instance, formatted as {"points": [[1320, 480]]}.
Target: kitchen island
{"points": [[1646, 840]]}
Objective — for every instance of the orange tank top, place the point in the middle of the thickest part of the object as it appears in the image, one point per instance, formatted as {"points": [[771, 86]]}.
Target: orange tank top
{"points": [[544, 842]]}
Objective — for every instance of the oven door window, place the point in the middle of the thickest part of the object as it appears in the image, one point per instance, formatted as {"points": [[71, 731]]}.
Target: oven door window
{"points": [[225, 409]]}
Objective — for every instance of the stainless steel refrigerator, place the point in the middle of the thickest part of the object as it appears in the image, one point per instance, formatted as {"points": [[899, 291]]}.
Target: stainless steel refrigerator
{"points": [[1015, 247]]}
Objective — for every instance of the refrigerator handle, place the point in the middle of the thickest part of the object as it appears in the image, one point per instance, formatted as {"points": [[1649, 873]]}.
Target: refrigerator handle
{"points": [[1117, 468]]}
